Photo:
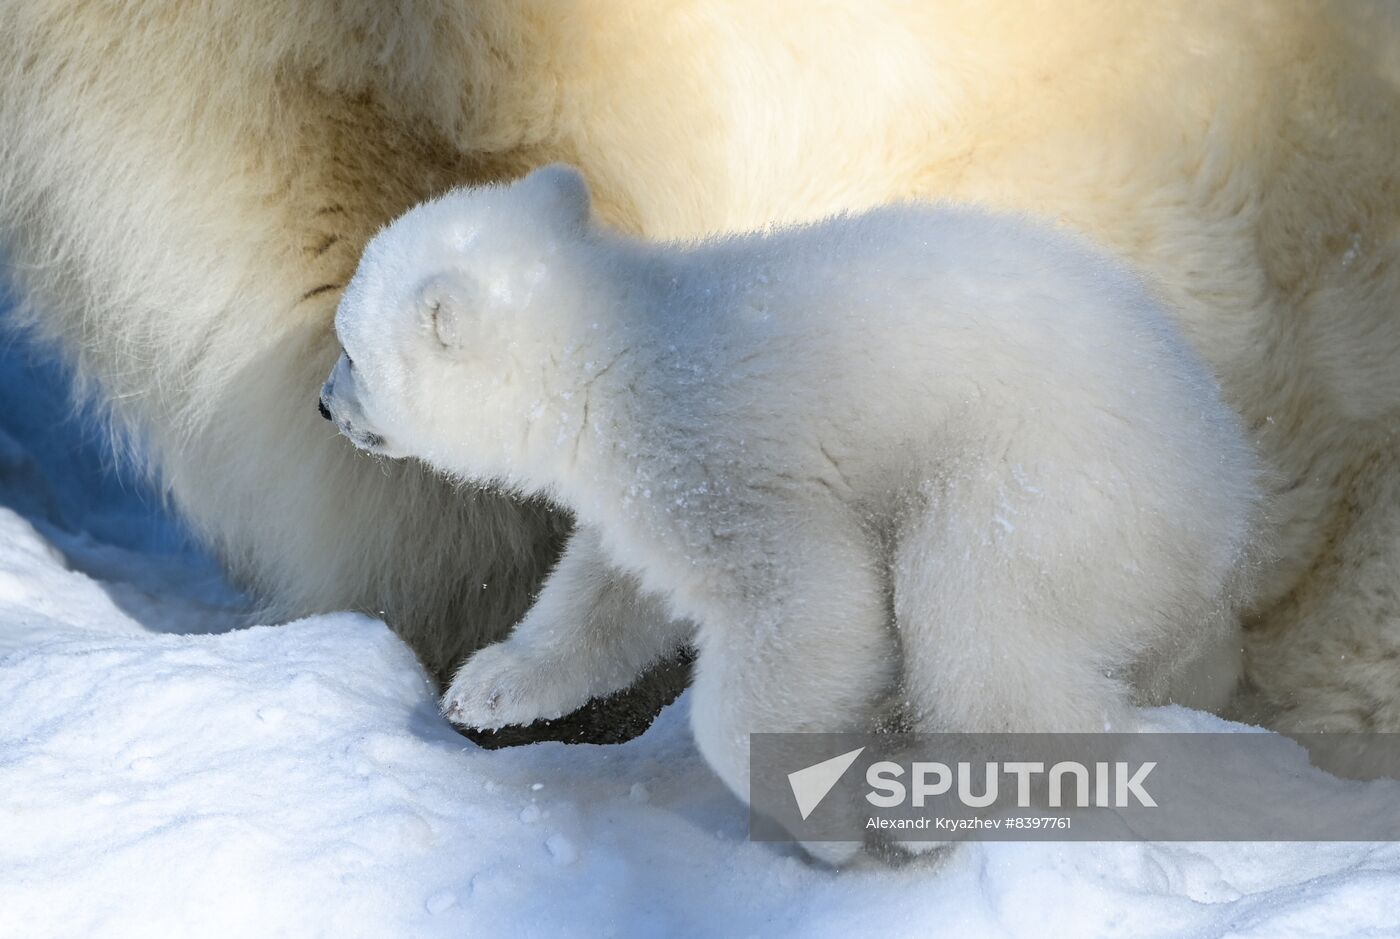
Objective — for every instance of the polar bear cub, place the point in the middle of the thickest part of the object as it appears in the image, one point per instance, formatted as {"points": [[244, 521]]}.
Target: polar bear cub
{"points": [[925, 460]]}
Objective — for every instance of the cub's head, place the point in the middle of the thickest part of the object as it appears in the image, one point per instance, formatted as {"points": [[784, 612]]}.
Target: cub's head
{"points": [[450, 313]]}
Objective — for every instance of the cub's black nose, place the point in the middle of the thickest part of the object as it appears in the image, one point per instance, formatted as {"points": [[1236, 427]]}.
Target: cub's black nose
{"points": [[325, 411]]}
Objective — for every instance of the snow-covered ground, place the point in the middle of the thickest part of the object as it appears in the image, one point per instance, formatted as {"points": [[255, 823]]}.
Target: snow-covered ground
{"points": [[162, 775]]}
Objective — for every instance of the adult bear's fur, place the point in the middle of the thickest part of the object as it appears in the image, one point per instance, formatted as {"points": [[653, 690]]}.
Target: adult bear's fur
{"points": [[185, 186]]}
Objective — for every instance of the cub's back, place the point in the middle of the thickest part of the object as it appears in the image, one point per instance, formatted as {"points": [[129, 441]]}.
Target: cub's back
{"points": [[889, 319]]}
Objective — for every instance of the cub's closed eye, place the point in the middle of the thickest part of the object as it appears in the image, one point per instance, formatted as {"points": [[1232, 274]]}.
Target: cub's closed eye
{"points": [[349, 361]]}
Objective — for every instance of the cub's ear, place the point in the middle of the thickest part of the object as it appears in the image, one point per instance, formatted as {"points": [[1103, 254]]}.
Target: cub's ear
{"points": [[447, 307], [561, 189]]}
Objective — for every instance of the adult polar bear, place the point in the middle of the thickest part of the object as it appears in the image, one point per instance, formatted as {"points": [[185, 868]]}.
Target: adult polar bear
{"points": [[185, 187]]}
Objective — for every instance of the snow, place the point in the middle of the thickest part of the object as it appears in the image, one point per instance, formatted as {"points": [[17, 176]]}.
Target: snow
{"points": [[164, 773]]}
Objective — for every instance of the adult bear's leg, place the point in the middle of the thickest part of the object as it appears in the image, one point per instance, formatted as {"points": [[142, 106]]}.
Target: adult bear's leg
{"points": [[184, 248], [1325, 657]]}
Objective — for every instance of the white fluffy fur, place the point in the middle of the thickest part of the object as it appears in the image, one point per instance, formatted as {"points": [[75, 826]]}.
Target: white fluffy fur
{"points": [[972, 422], [184, 186]]}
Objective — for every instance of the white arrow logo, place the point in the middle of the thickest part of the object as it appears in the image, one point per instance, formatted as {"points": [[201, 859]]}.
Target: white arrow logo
{"points": [[811, 785]]}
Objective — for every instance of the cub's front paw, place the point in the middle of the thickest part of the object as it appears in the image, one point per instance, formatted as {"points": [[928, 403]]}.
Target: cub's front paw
{"points": [[503, 685]]}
